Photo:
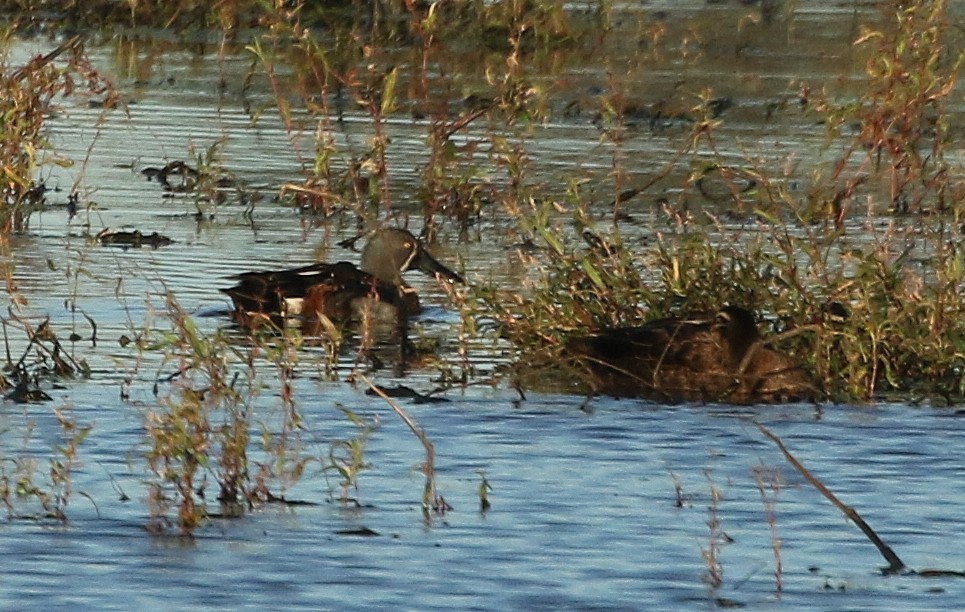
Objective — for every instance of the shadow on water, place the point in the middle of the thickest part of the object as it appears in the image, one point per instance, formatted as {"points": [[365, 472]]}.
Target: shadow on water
{"points": [[624, 504]]}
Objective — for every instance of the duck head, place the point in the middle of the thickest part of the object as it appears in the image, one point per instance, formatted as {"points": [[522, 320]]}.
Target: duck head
{"points": [[739, 329], [392, 251]]}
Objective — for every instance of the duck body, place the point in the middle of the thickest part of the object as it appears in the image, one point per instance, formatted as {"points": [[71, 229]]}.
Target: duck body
{"points": [[341, 292], [703, 358]]}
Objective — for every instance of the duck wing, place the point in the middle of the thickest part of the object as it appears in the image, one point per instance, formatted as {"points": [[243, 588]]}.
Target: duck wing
{"points": [[268, 291]]}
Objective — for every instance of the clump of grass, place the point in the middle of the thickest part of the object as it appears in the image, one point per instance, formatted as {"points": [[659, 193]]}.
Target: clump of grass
{"points": [[912, 71], [466, 145], [203, 428], [203, 432], [901, 331]]}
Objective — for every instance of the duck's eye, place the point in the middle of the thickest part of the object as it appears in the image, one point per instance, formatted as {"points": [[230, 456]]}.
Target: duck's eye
{"points": [[408, 245]]}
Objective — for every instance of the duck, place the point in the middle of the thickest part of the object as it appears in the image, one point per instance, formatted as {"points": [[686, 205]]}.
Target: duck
{"points": [[340, 292], [706, 357], [188, 176]]}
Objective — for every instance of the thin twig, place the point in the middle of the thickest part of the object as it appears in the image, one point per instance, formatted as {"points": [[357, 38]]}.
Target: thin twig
{"points": [[429, 498], [895, 565], [39, 61]]}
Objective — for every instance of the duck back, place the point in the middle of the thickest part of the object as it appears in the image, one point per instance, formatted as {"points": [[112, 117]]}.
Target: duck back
{"points": [[699, 358]]}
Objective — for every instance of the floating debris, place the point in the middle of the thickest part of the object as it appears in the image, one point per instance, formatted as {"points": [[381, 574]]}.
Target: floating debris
{"points": [[403, 392], [362, 532], [127, 238], [27, 393]]}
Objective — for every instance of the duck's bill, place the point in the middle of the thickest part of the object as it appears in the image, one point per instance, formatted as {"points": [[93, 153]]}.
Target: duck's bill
{"points": [[429, 265]]}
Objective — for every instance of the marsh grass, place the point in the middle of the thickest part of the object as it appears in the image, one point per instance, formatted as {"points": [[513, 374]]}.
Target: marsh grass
{"points": [[347, 457], [203, 426], [912, 71], [211, 427], [900, 287]]}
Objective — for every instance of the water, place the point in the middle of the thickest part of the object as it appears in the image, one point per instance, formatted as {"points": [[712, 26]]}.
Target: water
{"points": [[584, 516], [586, 511]]}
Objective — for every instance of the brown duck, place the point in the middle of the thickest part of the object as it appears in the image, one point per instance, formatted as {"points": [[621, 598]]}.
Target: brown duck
{"points": [[340, 291], [710, 358]]}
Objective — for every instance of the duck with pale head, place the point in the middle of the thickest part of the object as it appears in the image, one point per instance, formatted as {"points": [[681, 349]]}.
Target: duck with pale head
{"points": [[341, 292]]}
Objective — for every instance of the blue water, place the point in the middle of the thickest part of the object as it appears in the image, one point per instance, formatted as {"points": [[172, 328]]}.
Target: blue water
{"points": [[584, 514]]}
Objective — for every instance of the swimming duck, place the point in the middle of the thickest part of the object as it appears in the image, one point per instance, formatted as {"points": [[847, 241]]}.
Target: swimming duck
{"points": [[188, 176], [705, 358], [340, 291]]}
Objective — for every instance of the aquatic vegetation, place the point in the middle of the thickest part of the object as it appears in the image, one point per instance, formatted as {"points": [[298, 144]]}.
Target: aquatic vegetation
{"points": [[201, 412], [484, 490], [714, 574], [895, 564], [432, 502], [347, 457], [902, 332], [29, 98], [785, 254], [769, 483], [912, 73], [206, 431], [204, 426], [27, 495]]}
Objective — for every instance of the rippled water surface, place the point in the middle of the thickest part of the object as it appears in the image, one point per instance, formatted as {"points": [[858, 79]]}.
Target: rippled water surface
{"points": [[584, 515], [613, 505]]}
